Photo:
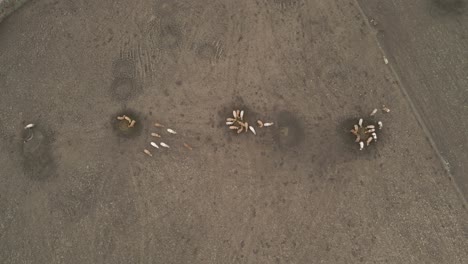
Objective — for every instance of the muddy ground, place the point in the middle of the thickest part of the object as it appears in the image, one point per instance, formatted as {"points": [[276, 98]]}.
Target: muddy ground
{"points": [[82, 190]]}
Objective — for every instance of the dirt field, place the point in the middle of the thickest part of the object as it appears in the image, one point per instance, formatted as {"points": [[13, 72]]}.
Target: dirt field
{"points": [[83, 191], [428, 45]]}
